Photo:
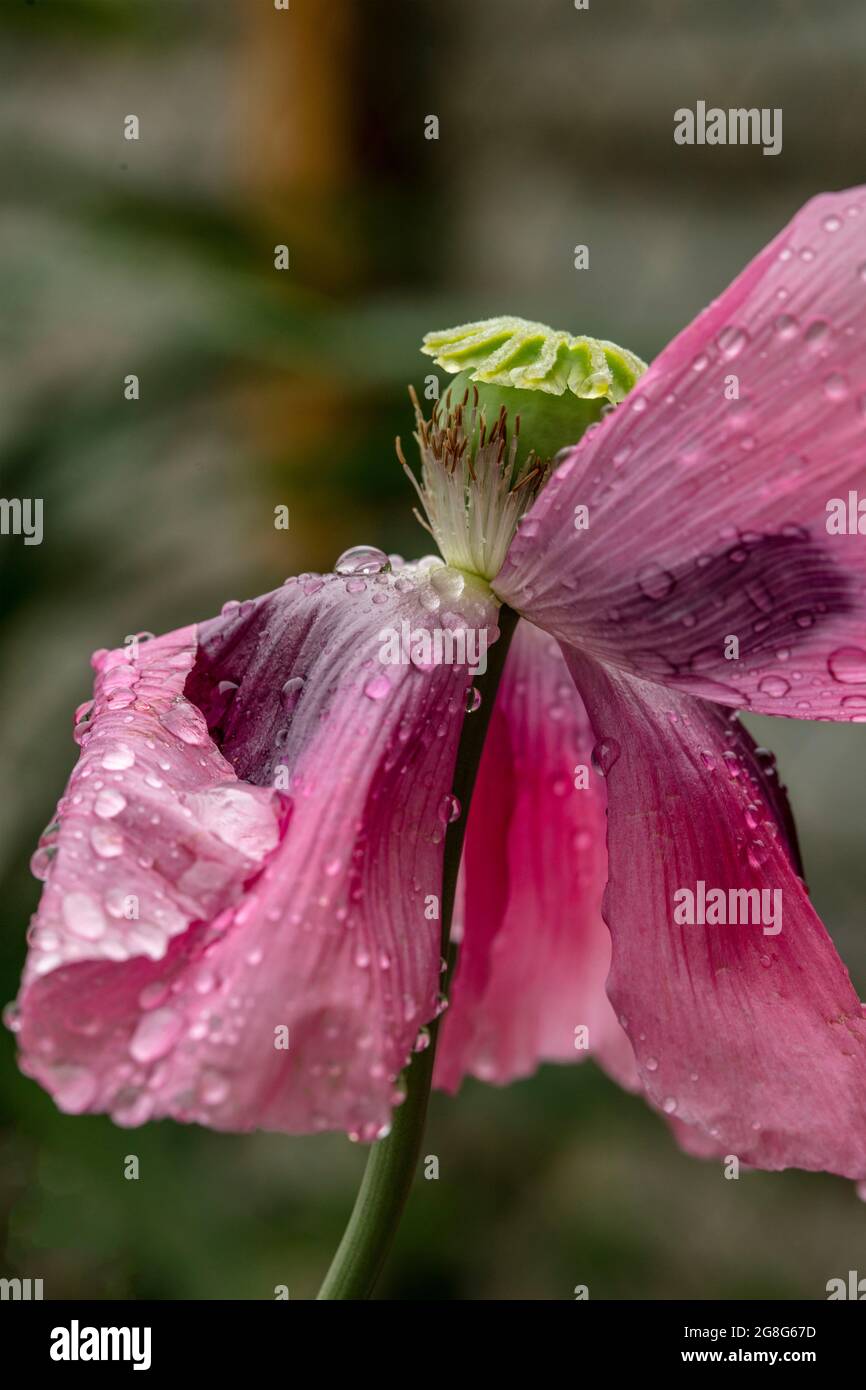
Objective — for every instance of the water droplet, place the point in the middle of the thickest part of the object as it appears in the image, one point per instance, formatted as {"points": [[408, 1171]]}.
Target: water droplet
{"points": [[83, 916], [655, 582], [449, 809], [41, 861], [847, 665], [832, 223], [377, 687], [214, 1088], [473, 700], [652, 1064], [604, 755], [155, 1035], [291, 693], [708, 760], [731, 341], [422, 1042], [110, 802], [449, 583], [186, 723], [774, 686], [670, 1105], [816, 333], [362, 559], [757, 853], [118, 759], [835, 387], [107, 841], [153, 995], [12, 1017], [74, 1089]]}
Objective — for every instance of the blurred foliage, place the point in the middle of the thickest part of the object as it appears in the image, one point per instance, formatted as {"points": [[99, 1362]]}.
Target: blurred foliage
{"points": [[259, 388]]}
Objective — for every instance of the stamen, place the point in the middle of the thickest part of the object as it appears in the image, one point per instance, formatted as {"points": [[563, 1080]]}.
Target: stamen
{"points": [[471, 489]]}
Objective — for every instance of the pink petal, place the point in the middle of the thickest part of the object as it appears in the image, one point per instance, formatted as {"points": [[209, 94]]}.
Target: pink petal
{"points": [[535, 952], [756, 1039], [707, 516], [258, 911]]}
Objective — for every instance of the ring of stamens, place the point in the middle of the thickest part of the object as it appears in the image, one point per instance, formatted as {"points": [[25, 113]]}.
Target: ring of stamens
{"points": [[472, 489]]}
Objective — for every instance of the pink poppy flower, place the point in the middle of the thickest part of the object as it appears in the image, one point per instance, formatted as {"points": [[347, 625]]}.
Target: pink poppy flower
{"points": [[681, 562]]}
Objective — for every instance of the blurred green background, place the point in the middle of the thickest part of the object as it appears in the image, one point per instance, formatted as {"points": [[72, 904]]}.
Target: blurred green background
{"points": [[261, 388]]}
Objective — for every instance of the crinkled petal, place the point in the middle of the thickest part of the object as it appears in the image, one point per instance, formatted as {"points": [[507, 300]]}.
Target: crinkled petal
{"points": [[753, 1036], [233, 926], [709, 493], [534, 953]]}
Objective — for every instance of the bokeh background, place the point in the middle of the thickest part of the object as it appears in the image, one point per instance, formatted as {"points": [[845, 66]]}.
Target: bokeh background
{"points": [[261, 388]]}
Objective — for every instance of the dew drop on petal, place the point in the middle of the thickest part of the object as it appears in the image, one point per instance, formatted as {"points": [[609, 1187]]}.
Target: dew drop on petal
{"points": [[816, 333], [655, 582], [41, 861], [291, 693], [106, 841], [12, 1017], [362, 559], [155, 1035], [774, 686], [757, 853], [110, 802], [377, 687], [449, 583], [74, 1089], [786, 327], [214, 1088], [449, 809], [731, 341], [835, 387], [153, 995], [604, 755], [186, 723], [83, 916], [847, 665], [118, 759]]}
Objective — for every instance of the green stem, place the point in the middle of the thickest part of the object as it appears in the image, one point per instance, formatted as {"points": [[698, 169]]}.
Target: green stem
{"points": [[393, 1161]]}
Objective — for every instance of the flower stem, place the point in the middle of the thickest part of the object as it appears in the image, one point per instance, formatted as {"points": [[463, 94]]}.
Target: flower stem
{"points": [[393, 1161]]}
